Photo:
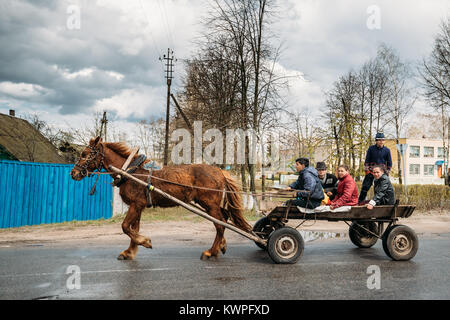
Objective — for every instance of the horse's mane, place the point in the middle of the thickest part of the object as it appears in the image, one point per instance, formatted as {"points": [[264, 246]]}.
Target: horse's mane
{"points": [[121, 148]]}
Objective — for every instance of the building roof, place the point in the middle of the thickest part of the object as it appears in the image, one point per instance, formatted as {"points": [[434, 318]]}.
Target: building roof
{"points": [[5, 154], [21, 140]]}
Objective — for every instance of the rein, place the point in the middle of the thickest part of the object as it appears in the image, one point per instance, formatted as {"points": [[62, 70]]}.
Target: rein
{"points": [[204, 188], [96, 151]]}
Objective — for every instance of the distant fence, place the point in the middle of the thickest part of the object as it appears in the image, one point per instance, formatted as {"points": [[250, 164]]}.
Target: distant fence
{"points": [[42, 193]]}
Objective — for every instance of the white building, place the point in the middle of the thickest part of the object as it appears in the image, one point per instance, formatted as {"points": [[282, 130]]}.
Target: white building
{"points": [[424, 160]]}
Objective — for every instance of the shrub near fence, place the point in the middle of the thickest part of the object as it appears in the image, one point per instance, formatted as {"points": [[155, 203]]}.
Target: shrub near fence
{"points": [[424, 197]]}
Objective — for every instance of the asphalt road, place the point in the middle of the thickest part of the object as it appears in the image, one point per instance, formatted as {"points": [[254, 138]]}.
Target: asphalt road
{"points": [[328, 269]]}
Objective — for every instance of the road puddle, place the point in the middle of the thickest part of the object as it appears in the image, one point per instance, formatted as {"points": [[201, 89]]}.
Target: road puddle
{"points": [[309, 236], [55, 297]]}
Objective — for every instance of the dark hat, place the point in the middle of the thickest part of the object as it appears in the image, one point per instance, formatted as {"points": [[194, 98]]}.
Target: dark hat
{"points": [[380, 135], [321, 166]]}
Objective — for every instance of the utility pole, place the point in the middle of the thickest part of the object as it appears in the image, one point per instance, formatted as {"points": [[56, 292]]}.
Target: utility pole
{"points": [[103, 122], [169, 75], [402, 151], [185, 118]]}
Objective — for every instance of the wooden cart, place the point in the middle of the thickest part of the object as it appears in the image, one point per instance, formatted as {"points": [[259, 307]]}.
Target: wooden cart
{"points": [[285, 244]]}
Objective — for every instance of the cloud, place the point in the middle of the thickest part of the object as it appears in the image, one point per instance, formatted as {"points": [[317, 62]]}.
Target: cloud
{"points": [[112, 58], [325, 39], [134, 103], [302, 94], [22, 90], [111, 62]]}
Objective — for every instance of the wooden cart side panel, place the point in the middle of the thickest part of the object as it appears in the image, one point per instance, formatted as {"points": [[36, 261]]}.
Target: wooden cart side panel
{"points": [[409, 212], [357, 212]]}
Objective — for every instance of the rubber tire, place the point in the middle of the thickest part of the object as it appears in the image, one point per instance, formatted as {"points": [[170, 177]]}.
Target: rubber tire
{"points": [[363, 242], [286, 235], [398, 233], [384, 239], [263, 225]]}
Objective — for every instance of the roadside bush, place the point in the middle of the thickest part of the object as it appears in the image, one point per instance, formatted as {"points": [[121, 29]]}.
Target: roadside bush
{"points": [[426, 197]]}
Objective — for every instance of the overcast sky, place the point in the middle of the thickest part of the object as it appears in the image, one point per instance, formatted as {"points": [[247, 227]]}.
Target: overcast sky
{"points": [[64, 69]]}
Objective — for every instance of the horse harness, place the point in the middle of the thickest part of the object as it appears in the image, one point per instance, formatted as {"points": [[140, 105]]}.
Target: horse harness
{"points": [[132, 168], [149, 188], [92, 156], [84, 168], [134, 165]]}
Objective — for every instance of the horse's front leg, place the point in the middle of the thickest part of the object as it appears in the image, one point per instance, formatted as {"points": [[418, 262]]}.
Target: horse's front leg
{"points": [[131, 252], [130, 227]]}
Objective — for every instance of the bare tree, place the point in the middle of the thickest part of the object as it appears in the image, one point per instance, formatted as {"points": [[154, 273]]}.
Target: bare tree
{"points": [[88, 130], [233, 80], [378, 97], [144, 136], [306, 133], [435, 73], [343, 117], [400, 98], [150, 137], [425, 125], [435, 70], [371, 96]]}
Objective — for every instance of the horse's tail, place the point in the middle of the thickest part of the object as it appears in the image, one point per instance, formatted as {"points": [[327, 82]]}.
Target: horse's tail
{"points": [[233, 203]]}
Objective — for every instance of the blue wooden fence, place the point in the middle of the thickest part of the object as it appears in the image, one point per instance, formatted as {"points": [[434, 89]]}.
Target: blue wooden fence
{"points": [[41, 193]]}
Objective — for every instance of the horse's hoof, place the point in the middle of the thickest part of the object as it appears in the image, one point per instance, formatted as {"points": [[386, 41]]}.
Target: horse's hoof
{"points": [[205, 256], [148, 244], [223, 249], [124, 257]]}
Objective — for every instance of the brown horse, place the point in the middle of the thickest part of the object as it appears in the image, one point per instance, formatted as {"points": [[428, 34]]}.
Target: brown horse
{"points": [[98, 155]]}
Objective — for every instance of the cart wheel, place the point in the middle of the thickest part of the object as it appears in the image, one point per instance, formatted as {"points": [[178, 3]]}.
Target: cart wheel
{"points": [[360, 237], [400, 243], [263, 228], [384, 239], [285, 245]]}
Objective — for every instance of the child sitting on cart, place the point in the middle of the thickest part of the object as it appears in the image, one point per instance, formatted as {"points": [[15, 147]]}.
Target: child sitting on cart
{"points": [[383, 189], [347, 191]]}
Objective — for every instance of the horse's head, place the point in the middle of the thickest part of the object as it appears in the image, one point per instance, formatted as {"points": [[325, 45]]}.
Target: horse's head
{"points": [[91, 159]]}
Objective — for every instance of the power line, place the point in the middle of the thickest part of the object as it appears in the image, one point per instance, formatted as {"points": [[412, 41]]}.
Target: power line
{"points": [[151, 34], [168, 24], [164, 21]]}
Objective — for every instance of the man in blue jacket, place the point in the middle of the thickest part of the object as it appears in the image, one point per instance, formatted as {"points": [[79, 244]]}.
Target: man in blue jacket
{"points": [[309, 191], [377, 155]]}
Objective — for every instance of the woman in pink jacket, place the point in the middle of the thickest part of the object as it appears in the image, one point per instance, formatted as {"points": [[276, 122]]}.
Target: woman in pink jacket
{"points": [[347, 192]]}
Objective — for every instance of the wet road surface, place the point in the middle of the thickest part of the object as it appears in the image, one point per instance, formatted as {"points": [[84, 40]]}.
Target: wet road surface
{"points": [[328, 269]]}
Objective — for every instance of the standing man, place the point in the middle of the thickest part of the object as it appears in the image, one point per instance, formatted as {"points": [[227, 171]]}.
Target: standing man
{"points": [[377, 154], [329, 181], [308, 189]]}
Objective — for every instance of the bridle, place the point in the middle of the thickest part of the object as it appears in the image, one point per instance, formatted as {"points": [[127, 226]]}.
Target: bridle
{"points": [[91, 157]]}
